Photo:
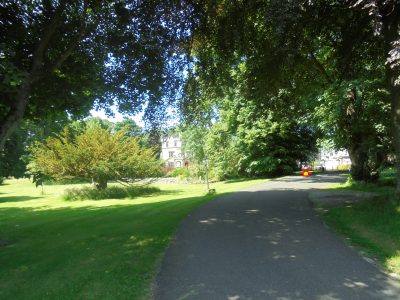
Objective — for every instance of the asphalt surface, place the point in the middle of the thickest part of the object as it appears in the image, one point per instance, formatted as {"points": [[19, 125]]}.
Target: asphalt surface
{"points": [[266, 242]]}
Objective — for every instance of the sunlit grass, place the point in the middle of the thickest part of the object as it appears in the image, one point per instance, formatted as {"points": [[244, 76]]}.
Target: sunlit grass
{"points": [[91, 249], [373, 225]]}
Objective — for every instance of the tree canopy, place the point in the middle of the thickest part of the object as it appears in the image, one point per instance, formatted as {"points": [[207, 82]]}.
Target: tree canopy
{"points": [[62, 57], [325, 63]]}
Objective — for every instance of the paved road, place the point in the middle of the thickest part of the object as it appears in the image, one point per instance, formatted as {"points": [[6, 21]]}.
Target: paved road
{"points": [[265, 242]]}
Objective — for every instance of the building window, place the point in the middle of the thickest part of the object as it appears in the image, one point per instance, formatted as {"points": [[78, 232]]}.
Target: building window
{"points": [[175, 143], [170, 154], [171, 164], [166, 144]]}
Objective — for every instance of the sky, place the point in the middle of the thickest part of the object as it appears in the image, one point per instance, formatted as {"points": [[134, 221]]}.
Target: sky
{"points": [[118, 117]]}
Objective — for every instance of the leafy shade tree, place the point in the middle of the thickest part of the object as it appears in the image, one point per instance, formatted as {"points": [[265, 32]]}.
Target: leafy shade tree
{"points": [[66, 56], [11, 163], [195, 139], [132, 129], [16, 154], [270, 147], [130, 126], [95, 155], [313, 56], [267, 145], [222, 150]]}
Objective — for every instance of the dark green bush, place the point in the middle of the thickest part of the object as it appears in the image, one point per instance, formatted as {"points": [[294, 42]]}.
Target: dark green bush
{"points": [[112, 192]]}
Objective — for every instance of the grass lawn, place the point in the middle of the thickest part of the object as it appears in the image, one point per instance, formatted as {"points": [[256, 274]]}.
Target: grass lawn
{"points": [[374, 225], [103, 249]]}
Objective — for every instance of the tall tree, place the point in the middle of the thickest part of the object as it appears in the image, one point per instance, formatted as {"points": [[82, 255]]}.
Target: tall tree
{"points": [[130, 126], [17, 152], [290, 49], [64, 56], [266, 145], [195, 139]]}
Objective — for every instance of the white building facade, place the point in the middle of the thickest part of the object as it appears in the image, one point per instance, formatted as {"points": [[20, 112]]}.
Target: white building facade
{"points": [[334, 158], [171, 150]]}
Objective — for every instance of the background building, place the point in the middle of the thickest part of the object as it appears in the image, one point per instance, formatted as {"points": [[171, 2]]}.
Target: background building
{"points": [[333, 158], [171, 150]]}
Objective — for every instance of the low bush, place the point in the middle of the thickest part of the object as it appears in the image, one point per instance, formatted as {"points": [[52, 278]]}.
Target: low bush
{"points": [[167, 170], [217, 174], [1, 180], [181, 173], [112, 192], [343, 167]]}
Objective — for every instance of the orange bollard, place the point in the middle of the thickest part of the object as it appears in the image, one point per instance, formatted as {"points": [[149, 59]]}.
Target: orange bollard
{"points": [[306, 173]]}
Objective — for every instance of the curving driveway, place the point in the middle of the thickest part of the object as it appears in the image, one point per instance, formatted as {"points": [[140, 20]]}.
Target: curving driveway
{"points": [[266, 242]]}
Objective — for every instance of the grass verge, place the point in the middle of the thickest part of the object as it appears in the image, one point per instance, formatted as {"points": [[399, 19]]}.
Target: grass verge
{"points": [[372, 226], [108, 249]]}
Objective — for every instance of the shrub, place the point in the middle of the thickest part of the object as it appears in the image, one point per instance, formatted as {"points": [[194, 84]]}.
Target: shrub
{"points": [[217, 174], [343, 167], [167, 171], [182, 173], [197, 170], [112, 192], [178, 171], [1, 180]]}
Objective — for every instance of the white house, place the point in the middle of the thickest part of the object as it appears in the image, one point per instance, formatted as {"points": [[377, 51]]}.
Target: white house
{"points": [[171, 150], [334, 158]]}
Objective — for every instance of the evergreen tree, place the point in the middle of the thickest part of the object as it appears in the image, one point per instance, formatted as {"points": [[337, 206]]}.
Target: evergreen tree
{"points": [[95, 154]]}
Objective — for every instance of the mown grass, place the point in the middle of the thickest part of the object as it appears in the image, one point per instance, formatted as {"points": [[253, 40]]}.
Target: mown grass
{"points": [[91, 249], [374, 225]]}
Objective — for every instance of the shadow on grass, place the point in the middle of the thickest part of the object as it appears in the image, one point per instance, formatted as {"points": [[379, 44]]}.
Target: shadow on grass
{"points": [[113, 239], [236, 180], [162, 193], [17, 199], [125, 241]]}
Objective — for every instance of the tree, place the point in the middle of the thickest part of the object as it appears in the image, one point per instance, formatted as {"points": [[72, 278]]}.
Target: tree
{"points": [[130, 126], [222, 150], [266, 145], [195, 138], [386, 20], [11, 163], [16, 154], [95, 154], [286, 56], [63, 56]]}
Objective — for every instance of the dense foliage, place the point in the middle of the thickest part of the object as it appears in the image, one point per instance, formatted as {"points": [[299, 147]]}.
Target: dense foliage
{"points": [[324, 63], [61, 57], [95, 155]]}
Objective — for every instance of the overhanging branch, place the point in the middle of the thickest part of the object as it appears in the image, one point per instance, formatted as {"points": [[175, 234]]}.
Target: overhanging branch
{"points": [[318, 64]]}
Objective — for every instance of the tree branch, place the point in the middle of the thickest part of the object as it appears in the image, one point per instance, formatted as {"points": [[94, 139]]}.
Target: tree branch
{"points": [[48, 32], [318, 64], [70, 47]]}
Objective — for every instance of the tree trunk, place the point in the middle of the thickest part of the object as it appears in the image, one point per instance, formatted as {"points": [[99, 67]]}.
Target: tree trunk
{"points": [[102, 184], [395, 120], [10, 122], [352, 153], [391, 34]]}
